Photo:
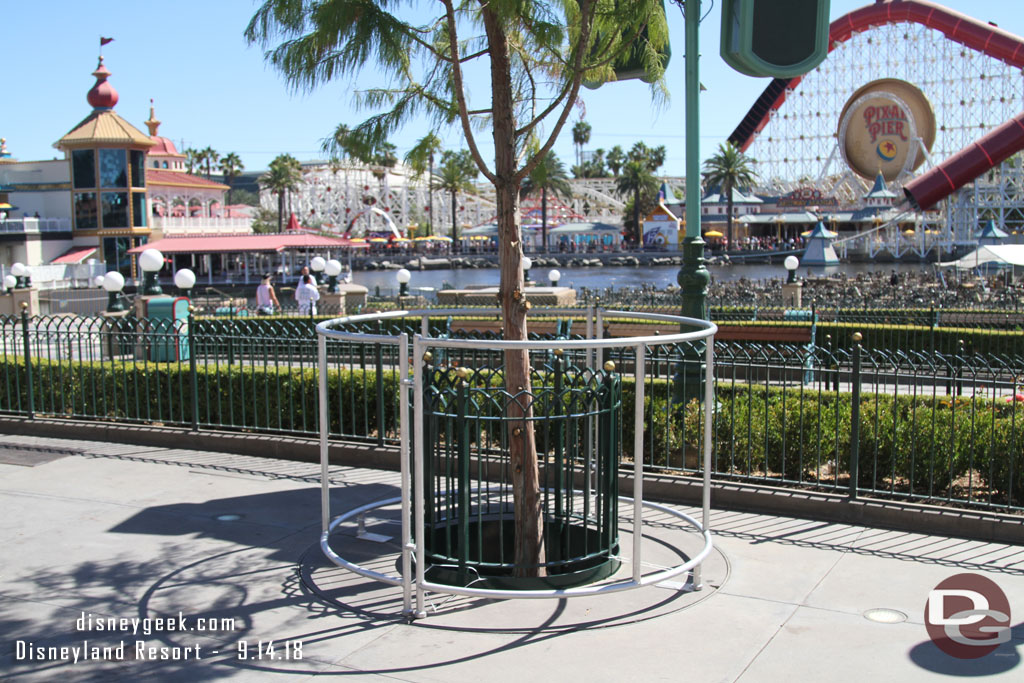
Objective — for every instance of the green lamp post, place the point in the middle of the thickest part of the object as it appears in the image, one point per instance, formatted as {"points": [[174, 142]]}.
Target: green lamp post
{"points": [[113, 282], [151, 261]]}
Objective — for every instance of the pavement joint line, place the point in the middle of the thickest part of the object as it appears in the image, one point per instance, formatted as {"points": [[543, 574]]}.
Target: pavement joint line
{"points": [[50, 496], [180, 515], [796, 608]]}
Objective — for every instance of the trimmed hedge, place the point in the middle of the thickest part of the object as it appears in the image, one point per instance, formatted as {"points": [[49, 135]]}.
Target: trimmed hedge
{"points": [[280, 399]]}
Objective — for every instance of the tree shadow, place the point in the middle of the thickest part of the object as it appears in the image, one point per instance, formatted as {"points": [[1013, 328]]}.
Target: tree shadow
{"points": [[259, 520]]}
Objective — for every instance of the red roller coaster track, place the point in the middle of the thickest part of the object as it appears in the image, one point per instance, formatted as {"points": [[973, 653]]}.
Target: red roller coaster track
{"points": [[937, 183]]}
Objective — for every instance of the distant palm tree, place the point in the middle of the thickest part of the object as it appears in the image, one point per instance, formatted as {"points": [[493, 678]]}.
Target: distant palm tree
{"points": [[231, 166], [657, 157], [421, 160], [210, 157], [580, 137], [615, 159], [455, 174], [547, 176], [191, 160], [728, 169], [636, 179], [283, 176]]}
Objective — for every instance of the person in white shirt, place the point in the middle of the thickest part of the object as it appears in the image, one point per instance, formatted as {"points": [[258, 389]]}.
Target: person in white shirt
{"points": [[307, 295], [266, 298], [303, 274]]}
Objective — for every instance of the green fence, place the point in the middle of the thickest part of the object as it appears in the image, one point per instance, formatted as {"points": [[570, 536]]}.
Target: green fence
{"points": [[938, 426]]}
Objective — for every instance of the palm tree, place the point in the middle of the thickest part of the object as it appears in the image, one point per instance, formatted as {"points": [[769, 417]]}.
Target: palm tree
{"points": [[421, 160], [231, 166], [728, 169], [210, 157], [657, 157], [547, 176], [615, 159], [282, 177], [191, 160], [455, 174], [636, 179], [580, 137]]}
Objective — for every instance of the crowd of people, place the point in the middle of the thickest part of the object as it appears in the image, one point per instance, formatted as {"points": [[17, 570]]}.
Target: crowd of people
{"points": [[914, 289], [752, 243]]}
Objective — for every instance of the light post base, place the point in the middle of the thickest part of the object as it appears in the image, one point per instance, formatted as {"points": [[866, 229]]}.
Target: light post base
{"points": [[693, 279], [792, 295]]}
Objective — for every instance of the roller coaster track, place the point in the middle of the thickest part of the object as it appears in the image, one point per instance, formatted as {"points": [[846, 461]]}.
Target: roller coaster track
{"points": [[960, 168]]}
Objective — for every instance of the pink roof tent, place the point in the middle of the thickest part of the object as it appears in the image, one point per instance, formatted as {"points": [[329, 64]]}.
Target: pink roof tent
{"points": [[242, 243], [293, 224]]}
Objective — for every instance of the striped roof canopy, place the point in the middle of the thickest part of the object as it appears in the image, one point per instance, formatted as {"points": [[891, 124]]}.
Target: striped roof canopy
{"points": [[104, 127]]}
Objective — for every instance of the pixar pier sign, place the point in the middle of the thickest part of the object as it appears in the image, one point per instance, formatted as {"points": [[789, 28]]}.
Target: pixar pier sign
{"points": [[885, 119], [885, 127]]}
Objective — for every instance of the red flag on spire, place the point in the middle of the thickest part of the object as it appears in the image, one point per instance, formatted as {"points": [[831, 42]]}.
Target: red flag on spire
{"points": [[104, 41]]}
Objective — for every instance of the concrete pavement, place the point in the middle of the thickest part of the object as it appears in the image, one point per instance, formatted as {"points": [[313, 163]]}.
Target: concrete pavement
{"points": [[96, 531]]}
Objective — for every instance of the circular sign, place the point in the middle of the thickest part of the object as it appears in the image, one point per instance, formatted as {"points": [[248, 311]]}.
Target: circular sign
{"points": [[967, 616], [882, 127]]}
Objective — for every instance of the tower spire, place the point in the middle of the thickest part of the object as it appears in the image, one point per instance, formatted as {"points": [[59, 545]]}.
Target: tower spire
{"points": [[152, 122]]}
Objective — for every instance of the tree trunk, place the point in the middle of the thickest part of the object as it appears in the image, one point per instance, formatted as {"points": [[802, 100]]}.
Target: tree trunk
{"points": [[638, 236], [529, 521], [728, 219], [280, 211], [455, 234]]}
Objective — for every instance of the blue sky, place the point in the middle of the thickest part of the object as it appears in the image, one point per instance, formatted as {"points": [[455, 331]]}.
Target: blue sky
{"points": [[212, 89]]}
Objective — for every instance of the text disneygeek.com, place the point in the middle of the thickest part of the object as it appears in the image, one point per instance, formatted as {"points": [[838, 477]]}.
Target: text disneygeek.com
{"points": [[138, 649]]}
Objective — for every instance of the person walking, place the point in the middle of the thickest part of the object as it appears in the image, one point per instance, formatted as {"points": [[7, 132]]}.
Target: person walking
{"points": [[307, 295], [266, 298]]}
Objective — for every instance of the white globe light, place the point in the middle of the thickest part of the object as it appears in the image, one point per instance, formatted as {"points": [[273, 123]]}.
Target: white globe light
{"points": [[791, 262], [26, 272], [10, 282], [113, 281], [527, 263], [151, 260], [403, 276], [184, 279], [18, 269], [333, 268], [317, 263], [554, 275], [97, 281]]}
